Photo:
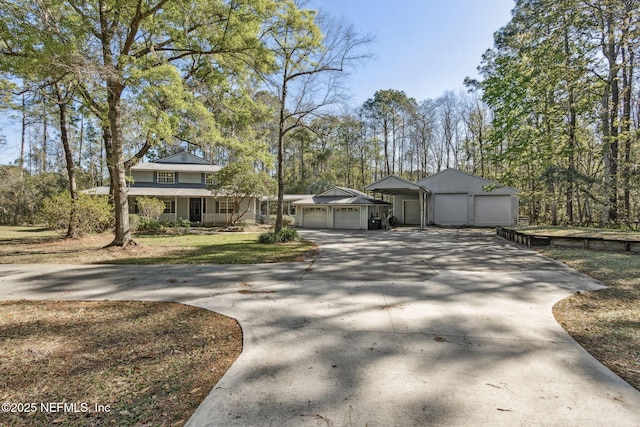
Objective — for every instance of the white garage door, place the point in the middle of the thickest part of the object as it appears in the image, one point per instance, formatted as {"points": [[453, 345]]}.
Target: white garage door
{"points": [[492, 210], [315, 218], [346, 218], [451, 209], [412, 212]]}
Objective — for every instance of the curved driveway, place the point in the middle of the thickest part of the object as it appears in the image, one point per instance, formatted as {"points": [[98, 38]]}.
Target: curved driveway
{"points": [[401, 328]]}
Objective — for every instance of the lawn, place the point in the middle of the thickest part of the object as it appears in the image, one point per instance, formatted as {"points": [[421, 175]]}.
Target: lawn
{"points": [[118, 363], [112, 363], [25, 245], [605, 322]]}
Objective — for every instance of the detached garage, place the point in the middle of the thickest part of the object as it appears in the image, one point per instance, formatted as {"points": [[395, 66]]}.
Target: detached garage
{"points": [[452, 197], [339, 208], [459, 198]]}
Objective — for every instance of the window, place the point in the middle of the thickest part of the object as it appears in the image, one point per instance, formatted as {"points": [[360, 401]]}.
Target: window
{"points": [[169, 206], [225, 207], [166, 177], [209, 179]]}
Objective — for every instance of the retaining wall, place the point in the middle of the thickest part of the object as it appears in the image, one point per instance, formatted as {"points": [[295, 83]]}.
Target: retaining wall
{"points": [[598, 243]]}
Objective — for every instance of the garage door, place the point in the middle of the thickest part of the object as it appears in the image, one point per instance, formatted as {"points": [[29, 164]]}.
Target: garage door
{"points": [[346, 218], [315, 218], [492, 210], [451, 209], [412, 212]]}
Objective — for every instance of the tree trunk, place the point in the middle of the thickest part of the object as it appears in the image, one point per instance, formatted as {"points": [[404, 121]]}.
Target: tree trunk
{"points": [[72, 229], [116, 164], [627, 81], [572, 135], [280, 160], [385, 131]]}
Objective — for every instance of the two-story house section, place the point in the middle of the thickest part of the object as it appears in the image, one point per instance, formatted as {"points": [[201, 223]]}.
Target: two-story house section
{"points": [[182, 181]]}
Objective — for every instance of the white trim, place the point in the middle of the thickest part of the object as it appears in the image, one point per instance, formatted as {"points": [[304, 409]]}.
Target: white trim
{"points": [[165, 177]]}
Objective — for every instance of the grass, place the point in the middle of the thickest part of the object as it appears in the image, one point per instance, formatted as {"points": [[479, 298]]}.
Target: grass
{"points": [[605, 322], [566, 231], [145, 363], [23, 245], [26, 234]]}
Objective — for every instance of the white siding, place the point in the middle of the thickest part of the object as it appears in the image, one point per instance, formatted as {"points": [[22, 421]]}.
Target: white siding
{"points": [[142, 176], [189, 178], [182, 210]]}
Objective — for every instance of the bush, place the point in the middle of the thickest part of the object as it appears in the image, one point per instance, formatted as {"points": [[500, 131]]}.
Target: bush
{"points": [[149, 224], [150, 207], [95, 214], [287, 220], [283, 236], [134, 223]]}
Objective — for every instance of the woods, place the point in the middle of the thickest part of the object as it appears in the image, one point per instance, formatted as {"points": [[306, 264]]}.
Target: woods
{"points": [[97, 86]]}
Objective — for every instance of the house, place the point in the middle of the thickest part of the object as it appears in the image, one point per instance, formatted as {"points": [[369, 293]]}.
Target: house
{"points": [[449, 197], [181, 181], [340, 208]]}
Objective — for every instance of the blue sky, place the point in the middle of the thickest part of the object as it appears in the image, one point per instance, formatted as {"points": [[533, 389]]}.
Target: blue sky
{"points": [[422, 47]]}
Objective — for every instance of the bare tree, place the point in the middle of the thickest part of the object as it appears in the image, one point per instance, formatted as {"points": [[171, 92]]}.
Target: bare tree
{"points": [[313, 53]]}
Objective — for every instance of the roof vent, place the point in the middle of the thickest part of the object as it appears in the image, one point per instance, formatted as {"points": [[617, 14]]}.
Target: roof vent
{"points": [[183, 157]]}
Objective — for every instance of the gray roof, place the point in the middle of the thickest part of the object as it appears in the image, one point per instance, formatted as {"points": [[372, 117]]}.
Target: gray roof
{"points": [[340, 196], [337, 200], [288, 197], [392, 184], [158, 192], [175, 167]]}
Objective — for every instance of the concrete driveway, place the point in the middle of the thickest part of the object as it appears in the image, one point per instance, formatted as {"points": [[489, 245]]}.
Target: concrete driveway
{"points": [[401, 328]]}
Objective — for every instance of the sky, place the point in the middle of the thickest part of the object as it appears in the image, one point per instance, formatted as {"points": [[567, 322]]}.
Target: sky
{"points": [[421, 47]]}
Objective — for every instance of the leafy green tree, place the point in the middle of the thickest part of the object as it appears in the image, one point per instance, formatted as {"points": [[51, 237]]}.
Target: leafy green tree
{"points": [[240, 181], [94, 213], [114, 48]]}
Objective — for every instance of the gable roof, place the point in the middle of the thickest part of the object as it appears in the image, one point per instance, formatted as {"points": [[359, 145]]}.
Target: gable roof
{"points": [[340, 196], [184, 158], [342, 191], [448, 179], [393, 184], [179, 162]]}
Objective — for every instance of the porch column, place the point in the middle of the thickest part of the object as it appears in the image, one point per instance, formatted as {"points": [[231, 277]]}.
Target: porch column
{"points": [[421, 193], [175, 211]]}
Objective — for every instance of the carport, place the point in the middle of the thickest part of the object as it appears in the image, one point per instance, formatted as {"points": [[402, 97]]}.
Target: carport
{"points": [[409, 199]]}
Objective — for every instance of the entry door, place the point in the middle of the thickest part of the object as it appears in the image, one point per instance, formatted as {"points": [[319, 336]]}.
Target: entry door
{"points": [[195, 210], [412, 212]]}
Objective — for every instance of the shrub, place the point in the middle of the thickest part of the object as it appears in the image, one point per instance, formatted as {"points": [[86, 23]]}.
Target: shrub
{"points": [[134, 222], [287, 220], [149, 224], [150, 207], [95, 214], [283, 236]]}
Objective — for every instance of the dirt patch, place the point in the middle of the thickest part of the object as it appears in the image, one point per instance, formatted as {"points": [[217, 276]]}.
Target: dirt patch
{"points": [[110, 363], [605, 322]]}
